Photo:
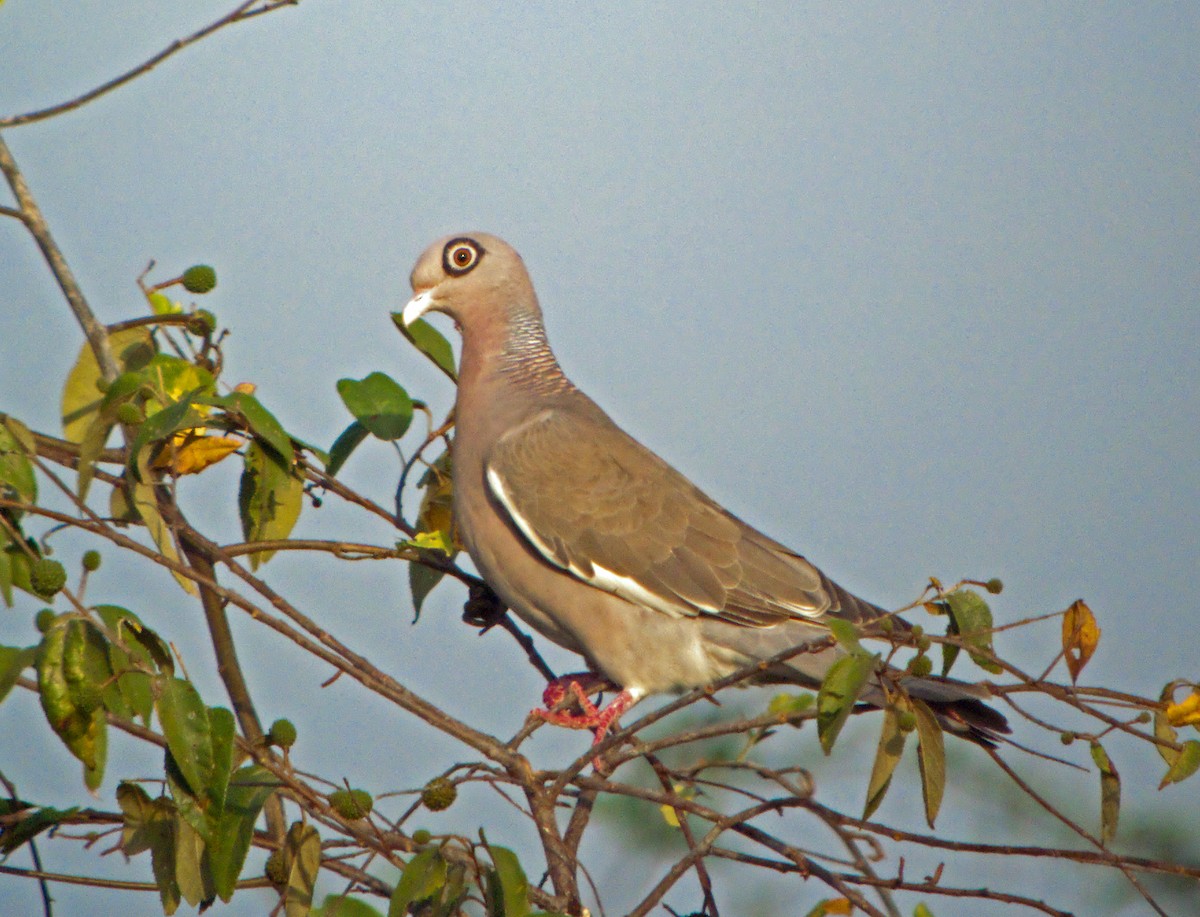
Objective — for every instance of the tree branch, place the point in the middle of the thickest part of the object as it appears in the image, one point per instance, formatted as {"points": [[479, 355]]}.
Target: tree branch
{"points": [[240, 13]]}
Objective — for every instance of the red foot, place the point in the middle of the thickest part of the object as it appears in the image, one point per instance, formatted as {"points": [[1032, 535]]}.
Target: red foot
{"points": [[578, 687]]}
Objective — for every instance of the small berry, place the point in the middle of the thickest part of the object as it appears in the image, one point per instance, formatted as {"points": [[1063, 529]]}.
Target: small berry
{"points": [[47, 577], [994, 586], [906, 720], [202, 322], [917, 631], [923, 643], [91, 561], [129, 413], [282, 733], [421, 836], [1144, 717], [199, 278], [44, 620], [920, 665], [276, 868], [353, 804], [1067, 738], [439, 794]]}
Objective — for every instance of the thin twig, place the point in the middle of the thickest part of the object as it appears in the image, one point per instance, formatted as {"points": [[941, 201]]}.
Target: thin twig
{"points": [[240, 13]]}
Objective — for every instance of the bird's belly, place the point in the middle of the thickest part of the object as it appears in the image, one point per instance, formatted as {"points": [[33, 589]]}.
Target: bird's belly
{"points": [[635, 647]]}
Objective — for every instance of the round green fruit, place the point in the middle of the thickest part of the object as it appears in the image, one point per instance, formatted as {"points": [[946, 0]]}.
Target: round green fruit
{"points": [[994, 586], [282, 733], [47, 577], [44, 619], [202, 322], [130, 413], [439, 794], [199, 278], [91, 561], [276, 868], [920, 665], [353, 804]]}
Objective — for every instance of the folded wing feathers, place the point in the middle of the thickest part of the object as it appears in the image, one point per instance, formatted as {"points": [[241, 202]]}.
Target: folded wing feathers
{"points": [[598, 504]]}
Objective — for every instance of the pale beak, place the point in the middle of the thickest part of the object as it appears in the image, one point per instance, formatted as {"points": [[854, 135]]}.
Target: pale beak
{"points": [[417, 306]]}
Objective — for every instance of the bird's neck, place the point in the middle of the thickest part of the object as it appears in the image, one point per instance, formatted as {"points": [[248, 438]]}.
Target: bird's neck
{"points": [[521, 358]]}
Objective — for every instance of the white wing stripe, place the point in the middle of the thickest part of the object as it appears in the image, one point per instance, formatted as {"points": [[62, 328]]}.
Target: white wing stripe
{"points": [[608, 581]]}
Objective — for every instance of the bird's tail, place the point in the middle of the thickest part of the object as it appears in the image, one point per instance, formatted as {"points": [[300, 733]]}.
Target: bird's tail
{"points": [[959, 707]]}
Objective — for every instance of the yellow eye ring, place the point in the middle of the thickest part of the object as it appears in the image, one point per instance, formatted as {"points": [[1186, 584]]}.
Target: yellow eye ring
{"points": [[460, 256]]}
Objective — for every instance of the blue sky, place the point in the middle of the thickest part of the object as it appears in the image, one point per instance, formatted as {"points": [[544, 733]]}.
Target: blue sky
{"points": [[913, 289]]}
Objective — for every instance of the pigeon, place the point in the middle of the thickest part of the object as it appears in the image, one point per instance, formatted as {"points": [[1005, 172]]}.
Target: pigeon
{"points": [[602, 547]]}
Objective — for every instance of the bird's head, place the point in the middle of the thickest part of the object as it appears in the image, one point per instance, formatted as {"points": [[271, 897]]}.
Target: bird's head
{"points": [[474, 278]]}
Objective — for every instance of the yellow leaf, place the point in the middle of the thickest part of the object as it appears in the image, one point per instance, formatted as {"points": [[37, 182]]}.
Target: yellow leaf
{"points": [[436, 540], [1186, 712], [246, 388], [832, 906], [669, 813], [436, 515], [190, 452], [81, 395], [1080, 634]]}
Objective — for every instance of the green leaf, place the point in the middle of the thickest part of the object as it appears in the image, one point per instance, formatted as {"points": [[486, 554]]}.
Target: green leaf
{"points": [[922, 910], [423, 876], [83, 731], [345, 906], [175, 379], [430, 342], [13, 661], [931, 755], [130, 660], [513, 897], [145, 504], [1110, 793], [17, 480], [302, 848], [6, 575], [150, 825], [230, 839], [379, 403], [31, 823], [345, 444], [222, 728], [421, 582], [263, 425], [185, 726], [86, 664], [787, 705], [1184, 765], [887, 756], [166, 423], [192, 873], [971, 618], [270, 499], [846, 635], [842, 685], [81, 397], [94, 441]]}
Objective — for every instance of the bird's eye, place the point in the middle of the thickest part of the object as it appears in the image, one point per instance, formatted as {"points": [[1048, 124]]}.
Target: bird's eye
{"points": [[460, 255]]}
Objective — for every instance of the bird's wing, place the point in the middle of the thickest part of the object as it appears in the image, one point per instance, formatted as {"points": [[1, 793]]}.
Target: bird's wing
{"points": [[597, 504]]}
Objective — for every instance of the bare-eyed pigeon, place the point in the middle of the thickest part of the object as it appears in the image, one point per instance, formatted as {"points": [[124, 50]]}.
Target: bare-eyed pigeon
{"points": [[599, 544]]}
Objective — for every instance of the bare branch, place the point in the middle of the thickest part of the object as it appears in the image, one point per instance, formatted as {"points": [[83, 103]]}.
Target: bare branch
{"points": [[240, 13]]}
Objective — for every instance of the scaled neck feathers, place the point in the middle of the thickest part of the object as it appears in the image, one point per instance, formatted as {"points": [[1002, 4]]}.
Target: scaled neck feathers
{"points": [[526, 357]]}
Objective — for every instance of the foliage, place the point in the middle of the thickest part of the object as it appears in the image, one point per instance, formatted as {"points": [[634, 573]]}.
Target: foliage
{"points": [[145, 405]]}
